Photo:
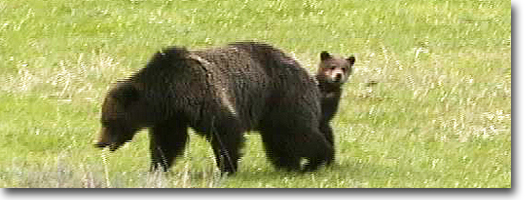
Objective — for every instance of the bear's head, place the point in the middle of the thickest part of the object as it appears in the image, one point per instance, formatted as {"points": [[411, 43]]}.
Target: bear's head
{"points": [[123, 114], [334, 70]]}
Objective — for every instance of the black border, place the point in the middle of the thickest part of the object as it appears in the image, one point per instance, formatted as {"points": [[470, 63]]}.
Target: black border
{"points": [[133, 193]]}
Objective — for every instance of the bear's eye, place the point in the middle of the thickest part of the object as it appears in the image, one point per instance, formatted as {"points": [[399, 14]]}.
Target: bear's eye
{"points": [[332, 67], [344, 69]]}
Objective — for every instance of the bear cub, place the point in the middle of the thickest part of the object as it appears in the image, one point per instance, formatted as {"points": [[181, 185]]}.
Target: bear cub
{"points": [[332, 73], [221, 93]]}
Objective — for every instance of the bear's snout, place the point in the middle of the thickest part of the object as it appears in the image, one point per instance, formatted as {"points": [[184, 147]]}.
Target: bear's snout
{"points": [[103, 140], [338, 77], [101, 144]]}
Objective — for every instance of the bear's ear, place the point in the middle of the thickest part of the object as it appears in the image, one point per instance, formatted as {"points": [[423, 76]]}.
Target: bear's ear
{"points": [[125, 94], [174, 53], [169, 54], [325, 55], [351, 59]]}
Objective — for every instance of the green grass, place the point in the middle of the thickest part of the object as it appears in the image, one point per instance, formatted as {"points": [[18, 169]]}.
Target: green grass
{"points": [[440, 115]]}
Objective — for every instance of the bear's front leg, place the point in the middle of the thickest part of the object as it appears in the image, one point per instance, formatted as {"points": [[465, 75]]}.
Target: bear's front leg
{"points": [[226, 148], [167, 141]]}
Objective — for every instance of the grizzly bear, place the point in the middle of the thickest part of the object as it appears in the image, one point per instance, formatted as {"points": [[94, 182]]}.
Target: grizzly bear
{"points": [[333, 72], [221, 93]]}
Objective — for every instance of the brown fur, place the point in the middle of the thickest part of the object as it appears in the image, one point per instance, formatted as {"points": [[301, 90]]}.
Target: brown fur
{"points": [[333, 72], [221, 93]]}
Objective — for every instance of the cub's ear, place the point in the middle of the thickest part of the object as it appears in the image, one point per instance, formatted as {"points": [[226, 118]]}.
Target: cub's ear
{"points": [[125, 93], [325, 55], [351, 60]]}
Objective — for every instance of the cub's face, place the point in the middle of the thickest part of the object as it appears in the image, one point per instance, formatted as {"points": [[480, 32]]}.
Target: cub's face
{"points": [[334, 70], [121, 117]]}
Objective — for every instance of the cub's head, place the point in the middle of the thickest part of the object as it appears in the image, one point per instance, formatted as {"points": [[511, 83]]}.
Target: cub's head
{"points": [[123, 114], [334, 70]]}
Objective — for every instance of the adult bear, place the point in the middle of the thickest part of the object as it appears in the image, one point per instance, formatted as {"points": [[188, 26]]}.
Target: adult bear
{"points": [[220, 93]]}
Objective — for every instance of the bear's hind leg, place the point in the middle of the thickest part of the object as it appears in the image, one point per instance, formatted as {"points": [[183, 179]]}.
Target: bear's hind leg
{"points": [[293, 132], [311, 144], [277, 150]]}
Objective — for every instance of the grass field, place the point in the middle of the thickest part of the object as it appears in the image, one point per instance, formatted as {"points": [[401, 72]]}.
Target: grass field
{"points": [[439, 115]]}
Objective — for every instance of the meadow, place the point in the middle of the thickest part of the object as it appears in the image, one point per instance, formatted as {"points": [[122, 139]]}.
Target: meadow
{"points": [[428, 105]]}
